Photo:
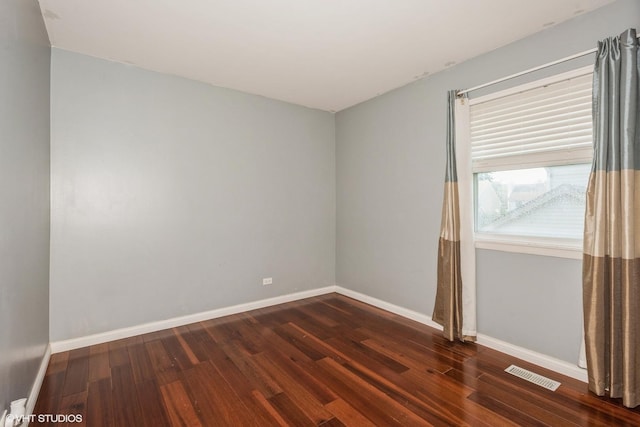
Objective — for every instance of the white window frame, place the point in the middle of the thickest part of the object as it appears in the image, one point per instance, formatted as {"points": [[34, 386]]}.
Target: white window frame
{"points": [[534, 245]]}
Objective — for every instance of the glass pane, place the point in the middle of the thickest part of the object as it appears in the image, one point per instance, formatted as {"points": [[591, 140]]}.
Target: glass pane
{"points": [[546, 202]]}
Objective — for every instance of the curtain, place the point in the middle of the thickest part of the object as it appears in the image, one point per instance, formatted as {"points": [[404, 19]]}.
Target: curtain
{"points": [[611, 263], [448, 310]]}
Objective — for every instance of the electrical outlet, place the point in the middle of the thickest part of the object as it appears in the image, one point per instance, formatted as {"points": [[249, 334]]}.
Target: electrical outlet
{"points": [[267, 281]]}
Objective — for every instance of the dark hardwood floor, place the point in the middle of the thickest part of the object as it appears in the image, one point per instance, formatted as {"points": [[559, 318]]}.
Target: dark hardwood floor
{"points": [[328, 360]]}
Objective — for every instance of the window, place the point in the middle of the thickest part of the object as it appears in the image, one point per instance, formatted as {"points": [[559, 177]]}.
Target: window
{"points": [[531, 151]]}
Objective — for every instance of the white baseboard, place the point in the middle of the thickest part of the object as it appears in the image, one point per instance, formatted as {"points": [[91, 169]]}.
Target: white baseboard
{"points": [[548, 362], [396, 309], [37, 384], [71, 344], [530, 356]]}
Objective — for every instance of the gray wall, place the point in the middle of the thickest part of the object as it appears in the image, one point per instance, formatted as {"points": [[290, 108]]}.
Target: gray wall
{"points": [[390, 172], [171, 197], [24, 196]]}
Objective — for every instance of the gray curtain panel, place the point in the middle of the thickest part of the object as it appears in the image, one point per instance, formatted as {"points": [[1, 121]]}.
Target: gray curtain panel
{"points": [[448, 307], [611, 263]]}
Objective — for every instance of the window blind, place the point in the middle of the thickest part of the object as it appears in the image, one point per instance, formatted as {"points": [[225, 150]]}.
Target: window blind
{"points": [[542, 126]]}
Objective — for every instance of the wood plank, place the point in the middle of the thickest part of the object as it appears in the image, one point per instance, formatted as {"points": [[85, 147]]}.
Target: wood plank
{"points": [[450, 399], [296, 390], [135, 340], [255, 405], [568, 394], [288, 410], [326, 360], [79, 353], [225, 365], [324, 321], [428, 356], [152, 404], [99, 367], [256, 375], [118, 353], [276, 342], [140, 362], [538, 409], [322, 310], [179, 333], [394, 326], [157, 335], [347, 414], [180, 411], [408, 356], [182, 361], [165, 370], [275, 415], [378, 360], [333, 422], [302, 374], [58, 363], [360, 394], [303, 340], [250, 337], [74, 408], [98, 349], [546, 400], [239, 383], [126, 407], [196, 338], [205, 348], [509, 412], [316, 324], [222, 330], [405, 392], [393, 385], [100, 404], [207, 386], [50, 394], [77, 372]]}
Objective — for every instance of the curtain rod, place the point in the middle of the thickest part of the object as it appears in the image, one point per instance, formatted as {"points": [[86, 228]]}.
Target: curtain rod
{"points": [[530, 70]]}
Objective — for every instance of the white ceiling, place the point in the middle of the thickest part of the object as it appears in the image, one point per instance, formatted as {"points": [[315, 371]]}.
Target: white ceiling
{"points": [[325, 54]]}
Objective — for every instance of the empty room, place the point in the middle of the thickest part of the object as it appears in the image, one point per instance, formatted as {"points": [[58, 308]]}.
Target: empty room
{"points": [[319, 212]]}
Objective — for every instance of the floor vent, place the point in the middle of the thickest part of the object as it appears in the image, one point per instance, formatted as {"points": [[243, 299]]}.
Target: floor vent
{"points": [[533, 377]]}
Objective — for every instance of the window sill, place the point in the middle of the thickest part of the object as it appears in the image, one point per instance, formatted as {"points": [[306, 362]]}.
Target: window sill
{"points": [[561, 248]]}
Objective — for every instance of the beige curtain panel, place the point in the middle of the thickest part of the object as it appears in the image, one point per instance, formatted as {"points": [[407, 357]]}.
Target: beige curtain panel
{"points": [[448, 307], [611, 266]]}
